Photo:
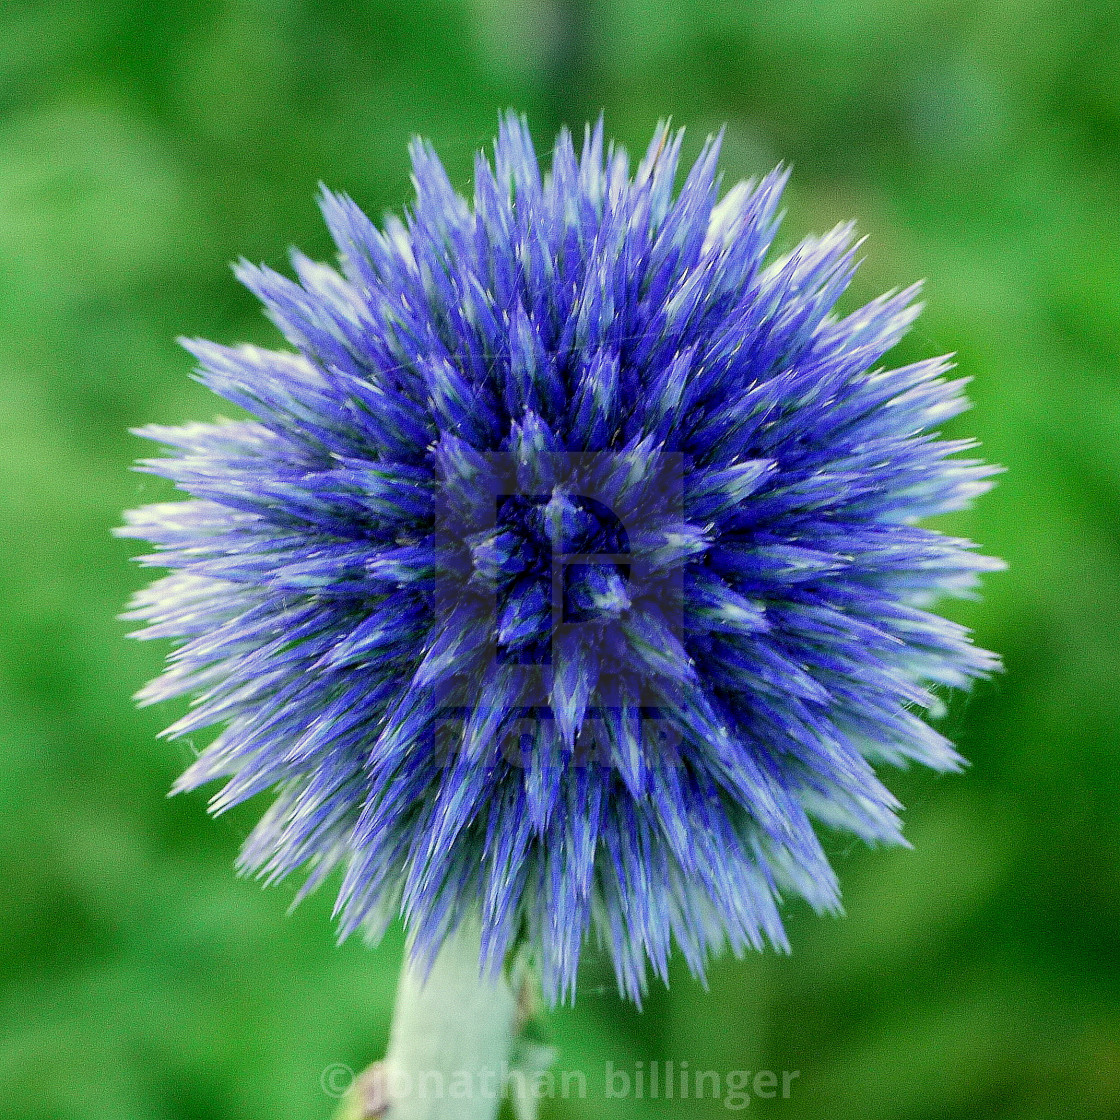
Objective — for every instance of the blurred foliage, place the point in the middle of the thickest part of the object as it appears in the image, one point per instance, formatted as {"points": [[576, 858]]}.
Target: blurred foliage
{"points": [[144, 144]]}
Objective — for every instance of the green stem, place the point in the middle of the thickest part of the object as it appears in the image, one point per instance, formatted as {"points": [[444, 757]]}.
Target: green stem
{"points": [[450, 1043]]}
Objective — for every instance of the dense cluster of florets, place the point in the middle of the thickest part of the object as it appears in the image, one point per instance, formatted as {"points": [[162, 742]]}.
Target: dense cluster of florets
{"points": [[567, 569]]}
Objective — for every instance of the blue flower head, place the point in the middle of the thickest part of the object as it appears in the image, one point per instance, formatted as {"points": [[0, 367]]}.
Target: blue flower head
{"points": [[566, 571]]}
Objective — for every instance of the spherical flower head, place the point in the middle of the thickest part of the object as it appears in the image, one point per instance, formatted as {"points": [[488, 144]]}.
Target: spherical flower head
{"points": [[566, 573]]}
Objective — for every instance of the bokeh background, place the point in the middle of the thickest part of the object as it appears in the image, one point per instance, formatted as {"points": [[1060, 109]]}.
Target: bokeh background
{"points": [[144, 145]]}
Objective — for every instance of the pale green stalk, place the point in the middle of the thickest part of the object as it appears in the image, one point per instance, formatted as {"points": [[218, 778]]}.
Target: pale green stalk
{"points": [[450, 1046]]}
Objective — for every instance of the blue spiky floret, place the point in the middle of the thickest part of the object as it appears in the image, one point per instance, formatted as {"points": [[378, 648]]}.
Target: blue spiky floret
{"points": [[597, 315]]}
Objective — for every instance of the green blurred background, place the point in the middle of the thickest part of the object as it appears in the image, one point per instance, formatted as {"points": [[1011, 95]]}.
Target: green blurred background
{"points": [[144, 145]]}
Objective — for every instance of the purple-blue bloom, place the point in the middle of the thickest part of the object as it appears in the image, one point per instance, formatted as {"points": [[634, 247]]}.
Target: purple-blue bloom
{"points": [[566, 572]]}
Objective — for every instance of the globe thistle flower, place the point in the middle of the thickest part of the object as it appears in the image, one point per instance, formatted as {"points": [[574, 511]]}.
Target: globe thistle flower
{"points": [[566, 572]]}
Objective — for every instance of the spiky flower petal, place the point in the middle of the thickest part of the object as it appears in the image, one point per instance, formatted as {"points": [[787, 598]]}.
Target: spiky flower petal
{"points": [[567, 569]]}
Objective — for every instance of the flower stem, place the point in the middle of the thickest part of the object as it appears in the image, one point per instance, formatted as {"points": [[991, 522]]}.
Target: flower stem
{"points": [[450, 1044]]}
